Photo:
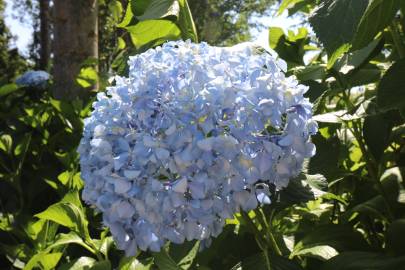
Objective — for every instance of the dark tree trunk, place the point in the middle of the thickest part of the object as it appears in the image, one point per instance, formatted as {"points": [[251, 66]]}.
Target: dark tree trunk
{"points": [[75, 41], [44, 52]]}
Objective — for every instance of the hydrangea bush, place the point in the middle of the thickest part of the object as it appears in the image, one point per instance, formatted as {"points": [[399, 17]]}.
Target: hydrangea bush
{"points": [[194, 135], [34, 78]]}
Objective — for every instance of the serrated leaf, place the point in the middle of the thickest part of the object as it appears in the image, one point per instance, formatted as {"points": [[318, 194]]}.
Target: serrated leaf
{"points": [[342, 16], [310, 72], [377, 16]]}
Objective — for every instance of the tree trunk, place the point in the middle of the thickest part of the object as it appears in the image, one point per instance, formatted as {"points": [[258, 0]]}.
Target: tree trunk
{"points": [[44, 34], [75, 41]]}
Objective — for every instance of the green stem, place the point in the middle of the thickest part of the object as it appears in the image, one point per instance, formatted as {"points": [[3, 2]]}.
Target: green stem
{"points": [[272, 239], [370, 163], [266, 257], [256, 232], [396, 37]]}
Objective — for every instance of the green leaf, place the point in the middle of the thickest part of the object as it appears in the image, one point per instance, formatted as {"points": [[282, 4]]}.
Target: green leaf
{"points": [[79, 264], [131, 263], [186, 262], [369, 73], [339, 237], [358, 260], [291, 47], [121, 43], [101, 265], [258, 262], [87, 77], [138, 7], [310, 72], [164, 261], [357, 58], [395, 243], [375, 207], [296, 192], [335, 22], [286, 4], [378, 15], [317, 181], [64, 239], [6, 143], [186, 22], [8, 88], [43, 261], [391, 90], [336, 54], [321, 252], [65, 177], [159, 9], [127, 17], [153, 32], [68, 215], [376, 132], [116, 9]]}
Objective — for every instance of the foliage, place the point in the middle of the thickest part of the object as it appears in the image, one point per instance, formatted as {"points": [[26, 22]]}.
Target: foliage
{"points": [[11, 63], [220, 22], [346, 211]]}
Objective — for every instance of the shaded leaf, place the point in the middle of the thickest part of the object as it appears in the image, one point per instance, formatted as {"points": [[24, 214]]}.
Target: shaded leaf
{"points": [[342, 16], [164, 261], [339, 237], [358, 260], [391, 90], [377, 16], [376, 132]]}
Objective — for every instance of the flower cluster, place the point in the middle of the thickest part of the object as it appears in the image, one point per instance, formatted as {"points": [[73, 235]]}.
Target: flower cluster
{"points": [[194, 135], [34, 78]]}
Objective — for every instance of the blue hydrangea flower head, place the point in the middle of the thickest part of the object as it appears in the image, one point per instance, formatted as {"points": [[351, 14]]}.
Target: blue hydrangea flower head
{"points": [[195, 134], [33, 78]]}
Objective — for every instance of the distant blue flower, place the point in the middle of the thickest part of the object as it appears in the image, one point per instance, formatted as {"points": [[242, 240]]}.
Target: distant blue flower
{"points": [[194, 135], [34, 78]]}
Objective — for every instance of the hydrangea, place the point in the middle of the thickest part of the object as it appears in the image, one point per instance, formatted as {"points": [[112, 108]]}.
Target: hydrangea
{"points": [[34, 78], [195, 134]]}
